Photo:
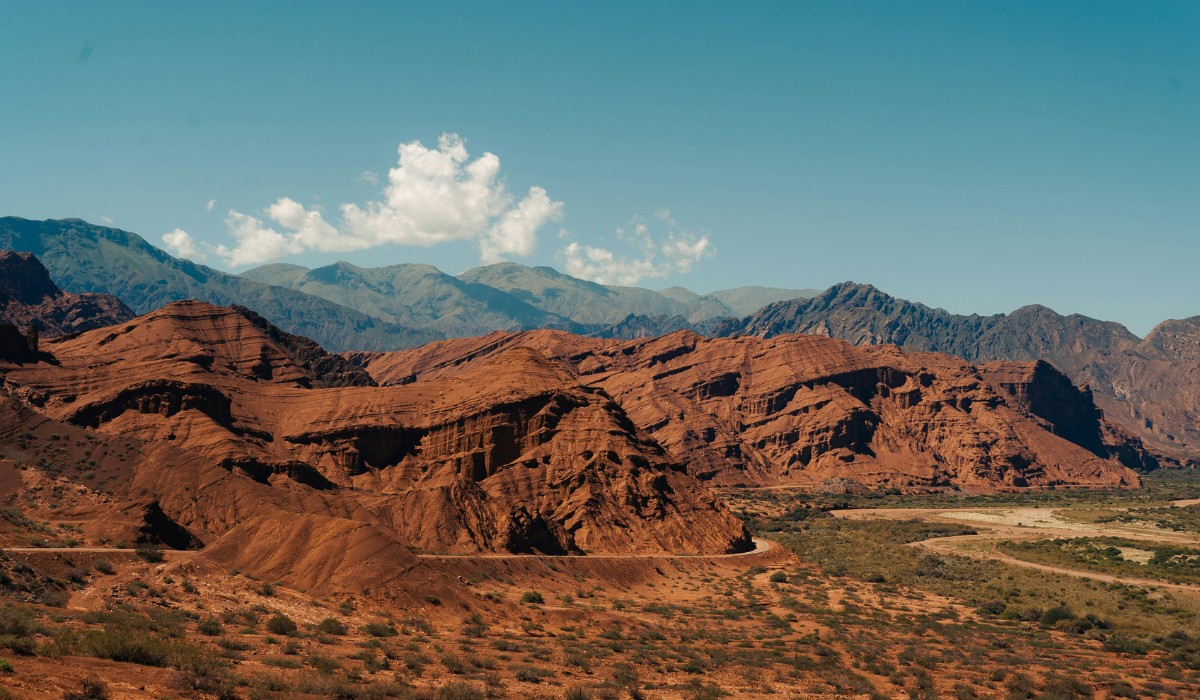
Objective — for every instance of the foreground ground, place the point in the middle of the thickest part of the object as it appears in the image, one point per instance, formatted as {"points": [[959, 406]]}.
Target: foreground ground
{"points": [[1003, 597]]}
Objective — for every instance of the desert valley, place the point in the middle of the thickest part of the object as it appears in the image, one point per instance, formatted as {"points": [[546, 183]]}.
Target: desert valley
{"points": [[599, 351], [200, 501]]}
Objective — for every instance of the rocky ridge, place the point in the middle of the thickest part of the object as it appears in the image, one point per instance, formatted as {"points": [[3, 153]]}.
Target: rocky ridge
{"points": [[30, 300], [515, 457], [1149, 387], [805, 409]]}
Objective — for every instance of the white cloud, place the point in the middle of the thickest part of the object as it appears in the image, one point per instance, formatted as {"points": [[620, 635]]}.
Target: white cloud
{"points": [[432, 196], [679, 252], [368, 177], [256, 243], [516, 231], [107, 220], [211, 203], [182, 245], [601, 265]]}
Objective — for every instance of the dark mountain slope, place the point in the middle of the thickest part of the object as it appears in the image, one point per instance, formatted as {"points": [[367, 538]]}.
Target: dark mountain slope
{"points": [[29, 299]]}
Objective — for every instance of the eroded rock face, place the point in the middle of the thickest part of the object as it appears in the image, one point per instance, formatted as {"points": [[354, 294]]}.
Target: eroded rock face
{"points": [[1149, 388], [807, 409], [30, 300], [513, 455]]}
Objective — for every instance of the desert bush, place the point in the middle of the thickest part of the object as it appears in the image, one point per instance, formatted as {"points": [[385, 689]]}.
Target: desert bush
{"points": [[210, 627], [1054, 615], [282, 624], [532, 598], [90, 688], [151, 553], [380, 629], [332, 626], [53, 598], [458, 690], [103, 566], [323, 664], [16, 629]]}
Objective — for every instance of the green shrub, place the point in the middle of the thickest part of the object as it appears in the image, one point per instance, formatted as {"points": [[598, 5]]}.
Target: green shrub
{"points": [[126, 644], [210, 627], [1055, 615], [532, 598], [533, 674], [380, 629], [779, 577], [103, 566], [151, 553], [323, 664], [333, 626], [282, 624]]}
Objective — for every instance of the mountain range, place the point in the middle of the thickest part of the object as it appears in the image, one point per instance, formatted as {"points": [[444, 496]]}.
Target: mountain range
{"points": [[1149, 387], [344, 307], [208, 427]]}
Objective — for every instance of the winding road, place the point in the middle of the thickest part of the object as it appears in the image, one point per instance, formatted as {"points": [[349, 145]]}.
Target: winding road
{"points": [[1027, 523]]}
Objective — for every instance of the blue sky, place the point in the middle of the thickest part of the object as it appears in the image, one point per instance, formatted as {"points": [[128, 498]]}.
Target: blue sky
{"points": [[977, 156]]}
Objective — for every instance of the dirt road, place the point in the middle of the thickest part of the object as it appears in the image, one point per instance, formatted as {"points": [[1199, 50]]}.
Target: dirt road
{"points": [[760, 546], [1028, 523]]}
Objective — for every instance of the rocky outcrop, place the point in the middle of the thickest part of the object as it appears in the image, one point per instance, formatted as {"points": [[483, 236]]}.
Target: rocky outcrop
{"points": [[17, 344], [30, 300], [1148, 388], [323, 369], [806, 409]]}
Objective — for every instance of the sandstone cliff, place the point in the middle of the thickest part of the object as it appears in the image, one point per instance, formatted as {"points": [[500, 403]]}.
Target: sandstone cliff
{"points": [[806, 409]]}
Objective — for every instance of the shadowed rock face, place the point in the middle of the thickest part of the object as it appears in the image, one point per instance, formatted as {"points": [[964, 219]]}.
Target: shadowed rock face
{"points": [[29, 299], [808, 410], [514, 455]]}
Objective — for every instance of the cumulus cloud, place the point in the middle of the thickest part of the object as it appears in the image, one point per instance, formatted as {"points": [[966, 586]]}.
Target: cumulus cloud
{"points": [[256, 242], [652, 254], [182, 245], [432, 196]]}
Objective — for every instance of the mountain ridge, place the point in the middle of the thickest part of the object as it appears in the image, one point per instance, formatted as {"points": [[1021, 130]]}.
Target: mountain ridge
{"points": [[1150, 386]]}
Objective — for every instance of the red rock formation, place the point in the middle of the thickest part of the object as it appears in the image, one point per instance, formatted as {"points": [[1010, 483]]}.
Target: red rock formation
{"points": [[800, 409], [515, 455]]}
